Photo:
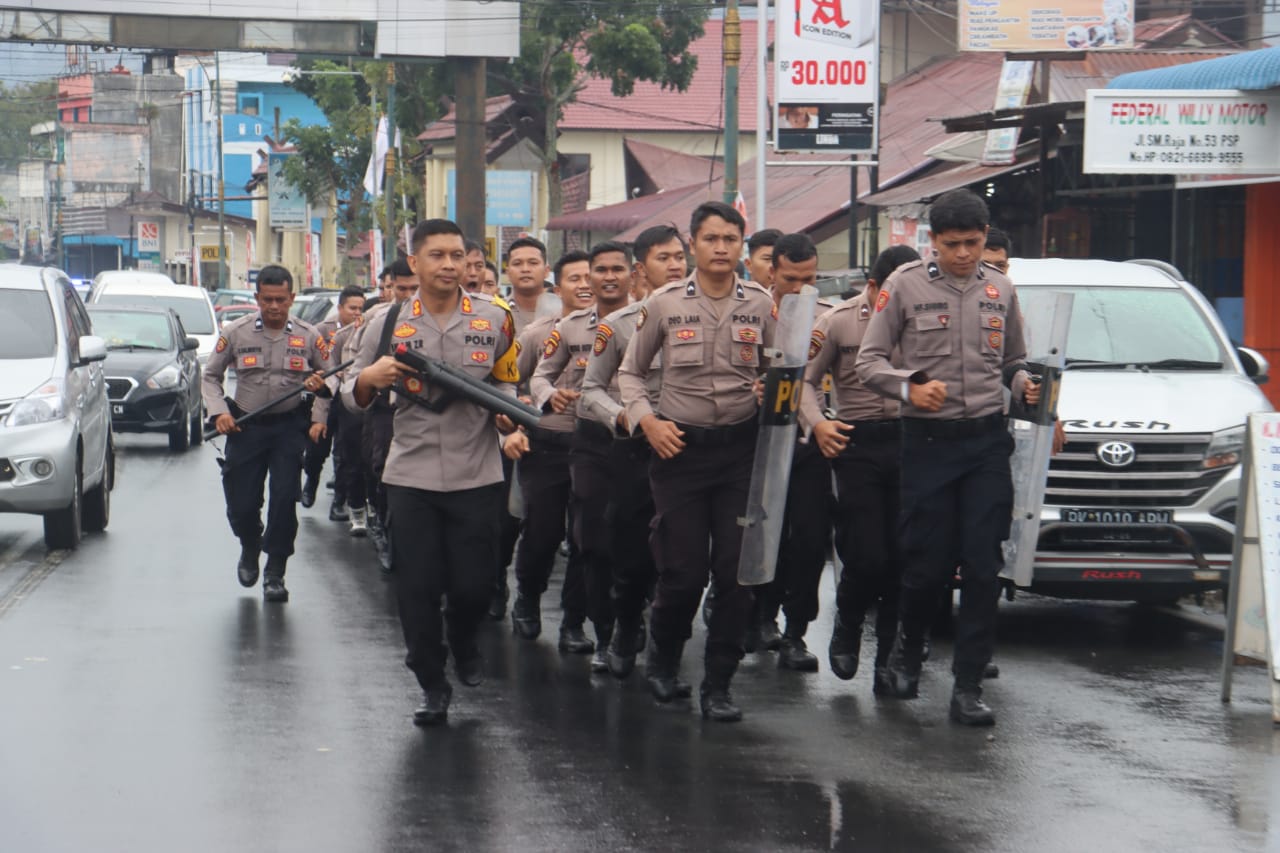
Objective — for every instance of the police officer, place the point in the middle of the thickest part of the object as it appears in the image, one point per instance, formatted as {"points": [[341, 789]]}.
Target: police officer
{"points": [[556, 387], [806, 524], [660, 258], [271, 353], [526, 271], [710, 331], [862, 443], [443, 472], [346, 427], [959, 328], [544, 468], [473, 279]]}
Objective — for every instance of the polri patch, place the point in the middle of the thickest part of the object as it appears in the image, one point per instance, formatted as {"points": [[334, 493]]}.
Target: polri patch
{"points": [[481, 325], [992, 292], [404, 330], [298, 341], [603, 334], [995, 339], [222, 345], [480, 357], [882, 300]]}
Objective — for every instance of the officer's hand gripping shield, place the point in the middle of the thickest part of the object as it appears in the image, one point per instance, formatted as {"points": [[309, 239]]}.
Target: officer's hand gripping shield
{"points": [[776, 442], [1047, 323]]}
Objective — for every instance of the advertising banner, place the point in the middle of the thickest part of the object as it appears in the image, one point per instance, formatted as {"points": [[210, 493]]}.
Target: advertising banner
{"points": [[286, 206], [1173, 132], [508, 197], [1010, 25], [828, 76]]}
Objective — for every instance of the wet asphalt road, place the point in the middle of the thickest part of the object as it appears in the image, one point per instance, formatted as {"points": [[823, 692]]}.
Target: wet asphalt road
{"points": [[148, 703]]}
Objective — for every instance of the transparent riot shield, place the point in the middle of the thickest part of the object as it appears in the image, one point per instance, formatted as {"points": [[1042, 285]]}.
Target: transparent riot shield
{"points": [[776, 442], [1047, 323]]}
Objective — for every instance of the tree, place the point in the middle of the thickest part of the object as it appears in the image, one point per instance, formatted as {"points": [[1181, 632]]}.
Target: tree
{"points": [[623, 41], [22, 107]]}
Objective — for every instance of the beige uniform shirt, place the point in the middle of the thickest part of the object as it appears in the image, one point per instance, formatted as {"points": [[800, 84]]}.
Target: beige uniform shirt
{"points": [[562, 366], [711, 354], [339, 345], [268, 362], [833, 350], [523, 318], [458, 448], [530, 343], [601, 398], [961, 332]]}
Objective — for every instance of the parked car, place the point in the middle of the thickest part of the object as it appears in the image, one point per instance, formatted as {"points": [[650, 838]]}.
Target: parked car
{"points": [[315, 307], [153, 376], [56, 455], [226, 296], [227, 313], [1141, 504], [152, 290]]}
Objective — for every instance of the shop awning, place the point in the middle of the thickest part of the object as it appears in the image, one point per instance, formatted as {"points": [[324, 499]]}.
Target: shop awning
{"points": [[1250, 71], [934, 184]]}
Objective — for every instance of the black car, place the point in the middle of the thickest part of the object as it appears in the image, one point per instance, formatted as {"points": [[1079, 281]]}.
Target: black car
{"points": [[153, 377]]}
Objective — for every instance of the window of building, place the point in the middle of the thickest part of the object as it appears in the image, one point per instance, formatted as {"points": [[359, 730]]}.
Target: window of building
{"points": [[249, 104]]}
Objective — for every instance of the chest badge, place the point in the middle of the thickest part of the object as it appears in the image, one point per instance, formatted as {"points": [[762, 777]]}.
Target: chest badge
{"points": [[480, 325], [992, 292], [944, 320], [297, 341], [480, 357], [404, 330]]}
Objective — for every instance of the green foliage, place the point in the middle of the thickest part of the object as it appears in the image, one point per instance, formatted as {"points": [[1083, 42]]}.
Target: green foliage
{"points": [[21, 107]]}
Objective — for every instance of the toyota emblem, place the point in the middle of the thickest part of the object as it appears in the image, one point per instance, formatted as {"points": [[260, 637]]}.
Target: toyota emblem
{"points": [[1117, 454]]}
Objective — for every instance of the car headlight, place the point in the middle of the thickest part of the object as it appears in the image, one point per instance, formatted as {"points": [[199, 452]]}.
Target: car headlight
{"points": [[166, 377], [41, 406], [1224, 449]]}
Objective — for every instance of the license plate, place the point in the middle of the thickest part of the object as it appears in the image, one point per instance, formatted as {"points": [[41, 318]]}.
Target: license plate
{"points": [[117, 410], [1117, 516]]}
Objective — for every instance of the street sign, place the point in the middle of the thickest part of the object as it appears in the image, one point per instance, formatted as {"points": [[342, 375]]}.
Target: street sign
{"points": [[210, 254], [1253, 606], [827, 64], [1175, 132]]}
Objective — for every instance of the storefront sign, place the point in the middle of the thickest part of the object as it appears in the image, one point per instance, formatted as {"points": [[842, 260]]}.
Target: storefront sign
{"points": [[1173, 132], [828, 76], [508, 197], [1029, 25]]}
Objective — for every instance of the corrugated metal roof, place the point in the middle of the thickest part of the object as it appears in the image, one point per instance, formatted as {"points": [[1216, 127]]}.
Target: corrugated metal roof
{"points": [[934, 184], [1251, 71], [671, 169], [1069, 80]]}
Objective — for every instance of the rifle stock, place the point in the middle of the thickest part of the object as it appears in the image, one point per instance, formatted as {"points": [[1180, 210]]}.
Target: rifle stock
{"points": [[456, 382]]}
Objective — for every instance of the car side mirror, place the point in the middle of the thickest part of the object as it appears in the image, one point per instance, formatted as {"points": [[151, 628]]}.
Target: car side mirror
{"points": [[1255, 365], [92, 348], [189, 344]]}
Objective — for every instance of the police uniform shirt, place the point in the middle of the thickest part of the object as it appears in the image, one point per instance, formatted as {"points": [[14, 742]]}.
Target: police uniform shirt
{"points": [[711, 353], [562, 365], [530, 343], [962, 332], [268, 362], [327, 328], [339, 344], [523, 318], [833, 350], [457, 448], [601, 398]]}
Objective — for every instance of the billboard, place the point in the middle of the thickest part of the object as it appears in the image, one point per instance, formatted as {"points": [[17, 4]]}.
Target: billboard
{"points": [[508, 197], [1173, 132], [1005, 25], [827, 88], [286, 205]]}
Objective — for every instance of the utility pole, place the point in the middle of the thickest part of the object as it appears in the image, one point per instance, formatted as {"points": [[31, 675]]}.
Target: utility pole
{"points": [[389, 233], [732, 58], [469, 188], [59, 152], [222, 225], [762, 108]]}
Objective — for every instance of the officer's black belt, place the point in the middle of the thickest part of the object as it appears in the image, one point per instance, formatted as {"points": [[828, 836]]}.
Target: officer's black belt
{"points": [[958, 428], [277, 417], [551, 438], [593, 431], [718, 436], [879, 430]]}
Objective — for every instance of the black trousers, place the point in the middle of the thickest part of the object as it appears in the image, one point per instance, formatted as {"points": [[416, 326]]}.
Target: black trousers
{"points": [[349, 485], [508, 529], [545, 483], [444, 545], [318, 452], [265, 448], [375, 443], [806, 533], [867, 497], [698, 497], [957, 503]]}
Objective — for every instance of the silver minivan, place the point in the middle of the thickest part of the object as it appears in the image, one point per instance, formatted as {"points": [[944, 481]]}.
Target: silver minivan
{"points": [[56, 455], [1141, 503]]}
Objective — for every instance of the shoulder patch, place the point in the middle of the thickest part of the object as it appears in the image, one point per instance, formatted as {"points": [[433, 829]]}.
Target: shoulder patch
{"points": [[773, 311], [815, 343], [552, 344], [466, 305], [222, 344], [882, 300], [417, 307], [644, 315], [603, 334]]}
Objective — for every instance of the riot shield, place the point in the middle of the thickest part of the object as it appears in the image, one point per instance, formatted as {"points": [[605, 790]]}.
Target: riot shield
{"points": [[1033, 432], [771, 471]]}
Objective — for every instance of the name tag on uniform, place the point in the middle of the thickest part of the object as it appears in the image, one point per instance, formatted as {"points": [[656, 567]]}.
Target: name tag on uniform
{"points": [[297, 341]]}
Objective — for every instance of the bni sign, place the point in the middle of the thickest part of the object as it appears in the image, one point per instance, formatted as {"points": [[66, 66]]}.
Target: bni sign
{"points": [[1177, 132], [827, 65]]}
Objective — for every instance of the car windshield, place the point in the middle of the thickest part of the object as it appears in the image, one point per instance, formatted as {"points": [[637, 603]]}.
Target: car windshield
{"points": [[196, 317], [130, 330], [1126, 325], [26, 324]]}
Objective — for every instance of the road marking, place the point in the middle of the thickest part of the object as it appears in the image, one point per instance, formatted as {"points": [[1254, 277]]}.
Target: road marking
{"points": [[20, 546], [31, 580]]}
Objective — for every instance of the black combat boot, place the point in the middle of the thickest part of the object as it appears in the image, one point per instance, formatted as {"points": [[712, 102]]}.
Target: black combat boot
{"points": [[716, 700], [604, 636], [768, 638], [434, 709], [574, 641], [498, 602], [273, 588], [794, 654], [308, 498], [622, 648], [247, 568], [880, 675], [903, 670], [662, 669], [846, 645], [526, 617], [967, 707]]}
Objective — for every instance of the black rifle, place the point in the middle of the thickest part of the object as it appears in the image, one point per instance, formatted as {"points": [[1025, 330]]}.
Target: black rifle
{"points": [[455, 384], [213, 432]]}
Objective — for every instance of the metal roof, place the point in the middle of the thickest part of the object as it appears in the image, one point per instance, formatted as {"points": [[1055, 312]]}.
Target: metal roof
{"points": [[1253, 70]]}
